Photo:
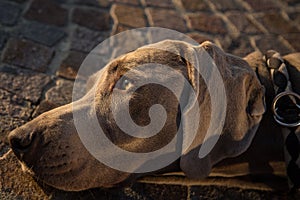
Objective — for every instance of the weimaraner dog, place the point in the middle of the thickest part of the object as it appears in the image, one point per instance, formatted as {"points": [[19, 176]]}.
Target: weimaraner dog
{"points": [[50, 148]]}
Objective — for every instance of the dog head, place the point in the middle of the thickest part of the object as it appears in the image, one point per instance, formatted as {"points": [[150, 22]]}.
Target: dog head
{"points": [[51, 149]]}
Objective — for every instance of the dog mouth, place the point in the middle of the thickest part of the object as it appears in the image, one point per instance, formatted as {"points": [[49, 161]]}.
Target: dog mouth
{"points": [[54, 167], [55, 174]]}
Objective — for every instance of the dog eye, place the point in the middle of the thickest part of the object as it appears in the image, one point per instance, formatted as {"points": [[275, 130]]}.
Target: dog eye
{"points": [[124, 84]]}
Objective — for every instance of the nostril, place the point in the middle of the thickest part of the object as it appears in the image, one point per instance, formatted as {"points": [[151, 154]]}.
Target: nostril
{"points": [[20, 142]]}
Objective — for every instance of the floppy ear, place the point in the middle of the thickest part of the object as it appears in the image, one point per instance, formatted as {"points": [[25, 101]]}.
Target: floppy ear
{"points": [[227, 125], [293, 66]]}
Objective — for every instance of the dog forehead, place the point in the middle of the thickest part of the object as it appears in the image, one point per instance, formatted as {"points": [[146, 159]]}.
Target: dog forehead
{"points": [[146, 55], [173, 46]]}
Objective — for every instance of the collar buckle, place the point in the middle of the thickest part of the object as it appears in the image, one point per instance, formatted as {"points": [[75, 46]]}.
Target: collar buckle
{"points": [[283, 115]]}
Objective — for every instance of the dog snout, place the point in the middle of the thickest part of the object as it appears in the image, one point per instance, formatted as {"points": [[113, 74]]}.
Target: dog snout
{"points": [[20, 140], [24, 143]]}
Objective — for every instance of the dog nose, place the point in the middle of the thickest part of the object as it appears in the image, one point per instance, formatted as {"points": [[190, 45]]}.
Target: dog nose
{"points": [[21, 141]]}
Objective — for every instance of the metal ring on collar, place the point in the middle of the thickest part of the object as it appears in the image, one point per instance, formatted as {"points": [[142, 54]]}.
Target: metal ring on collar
{"points": [[277, 117]]}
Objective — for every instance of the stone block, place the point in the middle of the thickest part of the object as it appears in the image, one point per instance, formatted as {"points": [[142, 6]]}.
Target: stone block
{"points": [[90, 18], [12, 106], [200, 37], [41, 33], [132, 2], [120, 28], [48, 12], [240, 46], [25, 84], [13, 111], [166, 18], [128, 15], [9, 13], [263, 5], [295, 16], [292, 2], [27, 54], [3, 38], [294, 40], [93, 3], [275, 23], [159, 3], [19, 1], [223, 192], [271, 42], [44, 106], [207, 23], [157, 191], [242, 23], [85, 40], [195, 5], [70, 65], [227, 5], [61, 93]]}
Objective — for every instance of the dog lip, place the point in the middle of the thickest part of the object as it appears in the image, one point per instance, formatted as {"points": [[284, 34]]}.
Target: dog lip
{"points": [[67, 172]]}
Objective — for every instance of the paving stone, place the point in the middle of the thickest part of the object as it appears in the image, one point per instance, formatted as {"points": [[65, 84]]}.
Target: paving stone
{"points": [[120, 28], [94, 3], [240, 47], [166, 18], [128, 15], [19, 1], [3, 148], [275, 23], [227, 192], [62, 1], [13, 112], [207, 23], [295, 16], [41, 33], [271, 42], [242, 23], [3, 38], [12, 106], [103, 3], [292, 2], [158, 191], [227, 5], [132, 2], [129, 42], [90, 18], [263, 5], [61, 93], [194, 5], [48, 12], [44, 106], [9, 13], [293, 39], [27, 54], [16, 183], [85, 40], [200, 37], [159, 3], [25, 84], [9, 123], [69, 66]]}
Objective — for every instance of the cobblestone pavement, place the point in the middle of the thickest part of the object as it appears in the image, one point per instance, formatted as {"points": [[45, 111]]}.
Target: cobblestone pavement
{"points": [[43, 42]]}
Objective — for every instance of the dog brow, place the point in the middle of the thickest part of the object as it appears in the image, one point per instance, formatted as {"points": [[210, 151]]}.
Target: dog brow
{"points": [[113, 68]]}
